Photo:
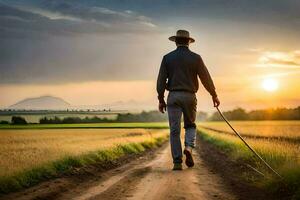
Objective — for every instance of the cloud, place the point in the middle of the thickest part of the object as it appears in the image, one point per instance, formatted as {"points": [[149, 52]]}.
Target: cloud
{"points": [[126, 19], [279, 59], [71, 43], [98, 14], [284, 63], [66, 18], [290, 73]]}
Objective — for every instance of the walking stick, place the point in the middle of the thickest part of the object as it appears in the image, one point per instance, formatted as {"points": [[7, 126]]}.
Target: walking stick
{"points": [[249, 147]]}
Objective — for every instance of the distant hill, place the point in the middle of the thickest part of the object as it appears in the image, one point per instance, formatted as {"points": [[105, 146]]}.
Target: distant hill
{"points": [[40, 103], [56, 103]]}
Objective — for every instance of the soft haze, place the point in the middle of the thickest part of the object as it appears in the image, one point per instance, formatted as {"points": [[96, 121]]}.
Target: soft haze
{"points": [[98, 52]]}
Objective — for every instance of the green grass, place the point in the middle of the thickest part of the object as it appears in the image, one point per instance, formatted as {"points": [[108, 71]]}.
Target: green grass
{"points": [[66, 165], [147, 125], [287, 167]]}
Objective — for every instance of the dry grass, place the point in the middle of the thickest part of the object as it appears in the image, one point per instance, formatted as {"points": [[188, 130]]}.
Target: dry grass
{"points": [[290, 129], [25, 149], [283, 156], [272, 151]]}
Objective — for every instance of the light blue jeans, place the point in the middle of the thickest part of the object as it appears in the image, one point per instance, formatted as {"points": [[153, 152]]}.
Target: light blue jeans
{"points": [[179, 103]]}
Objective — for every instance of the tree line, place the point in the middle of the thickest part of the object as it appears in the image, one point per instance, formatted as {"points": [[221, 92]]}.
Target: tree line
{"points": [[263, 114], [151, 116]]}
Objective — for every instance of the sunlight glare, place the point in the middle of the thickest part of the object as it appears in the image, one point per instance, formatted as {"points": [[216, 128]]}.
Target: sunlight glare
{"points": [[270, 85]]}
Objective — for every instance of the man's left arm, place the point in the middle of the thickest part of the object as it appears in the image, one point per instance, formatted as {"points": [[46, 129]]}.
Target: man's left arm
{"points": [[161, 85], [208, 82]]}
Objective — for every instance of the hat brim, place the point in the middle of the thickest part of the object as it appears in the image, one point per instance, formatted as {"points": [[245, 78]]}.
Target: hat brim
{"points": [[173, 38]]}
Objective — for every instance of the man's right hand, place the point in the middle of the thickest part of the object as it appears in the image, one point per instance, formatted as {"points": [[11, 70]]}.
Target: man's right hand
{"points": [[216, 101], [162, 107]]}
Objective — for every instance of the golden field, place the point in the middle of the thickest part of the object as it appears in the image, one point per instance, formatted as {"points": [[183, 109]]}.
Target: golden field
{"points": [[25, 149], [272, 151], [289, 129]]}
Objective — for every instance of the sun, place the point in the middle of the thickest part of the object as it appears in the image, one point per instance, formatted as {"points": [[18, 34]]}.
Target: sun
{"points": [[270, 84]]}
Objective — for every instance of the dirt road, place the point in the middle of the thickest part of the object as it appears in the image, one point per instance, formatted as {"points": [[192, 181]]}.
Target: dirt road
{"points": [[155, 180], [146, 178]]}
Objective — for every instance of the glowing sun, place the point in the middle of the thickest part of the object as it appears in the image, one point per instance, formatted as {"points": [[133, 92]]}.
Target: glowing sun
{"points": [[270, 85]]}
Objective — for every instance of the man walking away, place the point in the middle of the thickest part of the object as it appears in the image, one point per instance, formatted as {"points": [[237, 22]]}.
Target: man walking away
{"points": [[178, 74]]}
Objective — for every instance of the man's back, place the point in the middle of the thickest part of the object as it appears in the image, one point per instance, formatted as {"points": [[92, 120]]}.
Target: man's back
{"points": [[179, 71], [182, 69]]}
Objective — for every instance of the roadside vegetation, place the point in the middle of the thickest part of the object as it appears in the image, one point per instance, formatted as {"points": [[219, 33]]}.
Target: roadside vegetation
{"points": [[28, 157], [281, 155]]}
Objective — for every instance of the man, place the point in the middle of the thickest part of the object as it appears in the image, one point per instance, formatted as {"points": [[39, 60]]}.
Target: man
{"points": [[179, 72]]}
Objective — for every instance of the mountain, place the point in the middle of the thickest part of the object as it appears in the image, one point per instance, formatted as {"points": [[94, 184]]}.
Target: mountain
{"points": [[41, 103], [56, 103]]}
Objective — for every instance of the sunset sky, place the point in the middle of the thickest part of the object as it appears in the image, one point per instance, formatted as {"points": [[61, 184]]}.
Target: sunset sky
{"points": [[99, 52]]}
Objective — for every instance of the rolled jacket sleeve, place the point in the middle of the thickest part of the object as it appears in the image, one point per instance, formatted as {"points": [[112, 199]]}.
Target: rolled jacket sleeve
{"points": [[206, 79], [162, 80]]}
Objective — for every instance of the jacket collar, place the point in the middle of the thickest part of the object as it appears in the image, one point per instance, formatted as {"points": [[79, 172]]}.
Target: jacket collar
{"points": [[183, 47]]}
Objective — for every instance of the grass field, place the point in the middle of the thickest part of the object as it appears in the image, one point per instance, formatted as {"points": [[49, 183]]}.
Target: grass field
{"points": [[282, 155], [27, 156], [152, 125]]}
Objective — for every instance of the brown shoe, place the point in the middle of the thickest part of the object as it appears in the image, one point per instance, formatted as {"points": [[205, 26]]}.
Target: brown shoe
{"points": [[177, 166], [189, 158]]}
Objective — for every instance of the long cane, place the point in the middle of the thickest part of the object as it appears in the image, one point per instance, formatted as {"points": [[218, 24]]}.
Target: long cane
{"points": [[249, 147]]}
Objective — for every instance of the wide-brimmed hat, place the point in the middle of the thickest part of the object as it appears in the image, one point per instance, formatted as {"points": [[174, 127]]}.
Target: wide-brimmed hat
{"points": [[182, 34]]}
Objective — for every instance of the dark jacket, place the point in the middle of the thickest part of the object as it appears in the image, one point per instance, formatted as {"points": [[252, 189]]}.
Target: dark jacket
{"points": [[179, 71]]}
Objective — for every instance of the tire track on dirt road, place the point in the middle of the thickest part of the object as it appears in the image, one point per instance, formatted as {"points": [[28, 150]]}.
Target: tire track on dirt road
{"points": [[156, 180]]}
